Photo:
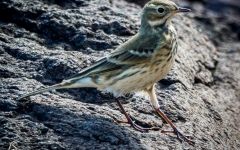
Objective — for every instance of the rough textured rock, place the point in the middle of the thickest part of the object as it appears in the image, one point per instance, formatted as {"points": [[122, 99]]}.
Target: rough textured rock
{"points": [[43, 42]]}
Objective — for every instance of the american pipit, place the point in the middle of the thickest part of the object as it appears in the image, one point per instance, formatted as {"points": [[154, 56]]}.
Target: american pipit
{"points": [[137, 64]]}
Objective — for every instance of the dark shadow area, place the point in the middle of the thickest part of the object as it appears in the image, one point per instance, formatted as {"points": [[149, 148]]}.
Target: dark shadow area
{"points": [[83, 130]]}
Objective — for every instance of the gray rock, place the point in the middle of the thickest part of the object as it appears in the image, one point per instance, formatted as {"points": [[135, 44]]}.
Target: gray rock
{"points": [[43, 42]]}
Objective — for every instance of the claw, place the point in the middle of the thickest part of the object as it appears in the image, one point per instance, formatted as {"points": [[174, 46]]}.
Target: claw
{"points": [[181, 137], [177, 133]]}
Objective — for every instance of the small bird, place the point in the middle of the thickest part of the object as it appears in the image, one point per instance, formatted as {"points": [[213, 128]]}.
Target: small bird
{"points": [[137, 64]]}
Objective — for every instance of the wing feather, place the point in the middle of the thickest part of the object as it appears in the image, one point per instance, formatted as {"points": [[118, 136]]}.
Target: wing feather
{"points": [[138, 52]]}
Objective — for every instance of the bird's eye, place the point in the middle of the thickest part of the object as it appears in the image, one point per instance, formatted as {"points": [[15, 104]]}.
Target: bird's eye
{"points": [[160, 10]]}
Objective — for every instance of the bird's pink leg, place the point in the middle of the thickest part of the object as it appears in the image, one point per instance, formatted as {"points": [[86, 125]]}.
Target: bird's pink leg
{"points": [[175, 130]]}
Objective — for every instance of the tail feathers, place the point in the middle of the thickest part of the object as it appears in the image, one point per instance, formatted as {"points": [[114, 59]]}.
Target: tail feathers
{"points": [[54, 87]]}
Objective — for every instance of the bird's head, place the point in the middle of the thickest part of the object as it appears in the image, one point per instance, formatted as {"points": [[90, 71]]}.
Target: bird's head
{"points": [[159, 13]]}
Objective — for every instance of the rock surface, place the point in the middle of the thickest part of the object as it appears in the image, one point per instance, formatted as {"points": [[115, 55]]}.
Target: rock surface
{"points": [[43, 42]]}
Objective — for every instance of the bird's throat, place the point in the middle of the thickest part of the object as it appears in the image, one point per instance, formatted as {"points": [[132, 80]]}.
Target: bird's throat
{"points": [[156, 26]]}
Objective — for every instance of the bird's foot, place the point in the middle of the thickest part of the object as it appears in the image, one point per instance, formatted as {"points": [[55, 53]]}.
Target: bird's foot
{"points": [[181, 137], [131, 122], [137, 127]]}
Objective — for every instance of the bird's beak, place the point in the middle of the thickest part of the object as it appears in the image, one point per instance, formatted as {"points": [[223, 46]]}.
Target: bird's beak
{"points": [[181, 10]]}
